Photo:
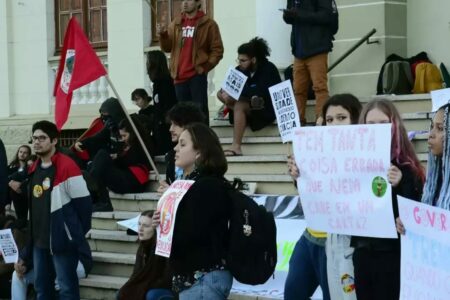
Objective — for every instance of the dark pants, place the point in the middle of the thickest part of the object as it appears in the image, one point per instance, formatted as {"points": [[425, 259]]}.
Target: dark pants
{"points": [[107, 175], [307, 270], [377, 274], [47, 266], [20, 204], [196, 91]]}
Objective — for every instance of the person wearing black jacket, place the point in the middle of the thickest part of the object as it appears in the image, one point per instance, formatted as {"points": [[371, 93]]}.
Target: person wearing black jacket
{"points": [[179, 116], [314, 23], [254, 107], [164, 98], [200, 236], [3, 178], [124, 171], [18, 173], [377, 260]]}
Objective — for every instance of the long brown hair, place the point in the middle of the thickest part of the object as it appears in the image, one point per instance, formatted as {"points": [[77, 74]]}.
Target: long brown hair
{"points": [[212, 160], [402, 150]]}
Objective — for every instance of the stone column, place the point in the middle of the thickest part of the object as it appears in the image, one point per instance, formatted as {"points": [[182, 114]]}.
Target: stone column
{"points": [[128, 35]]}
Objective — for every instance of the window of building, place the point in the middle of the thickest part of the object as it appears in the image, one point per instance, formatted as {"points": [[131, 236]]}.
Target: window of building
{"points": [[164, 11], [90, 14]]}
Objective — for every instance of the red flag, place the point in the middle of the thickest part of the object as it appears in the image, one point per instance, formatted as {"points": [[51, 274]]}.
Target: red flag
{"points": [[78, 66]]}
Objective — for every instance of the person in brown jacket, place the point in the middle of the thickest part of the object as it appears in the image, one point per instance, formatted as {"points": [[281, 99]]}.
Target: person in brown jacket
{"points": [[195, 44]]}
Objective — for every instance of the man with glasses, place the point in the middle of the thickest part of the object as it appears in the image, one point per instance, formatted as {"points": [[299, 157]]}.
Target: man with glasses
{"points": [[60, 217], [196, 48], [254, 107]]}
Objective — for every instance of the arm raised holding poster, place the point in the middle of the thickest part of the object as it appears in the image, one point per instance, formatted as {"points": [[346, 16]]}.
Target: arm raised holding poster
{"points": [[341, 109]]}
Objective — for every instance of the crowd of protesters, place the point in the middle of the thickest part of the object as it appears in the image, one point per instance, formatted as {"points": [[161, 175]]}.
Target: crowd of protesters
{"points": [[54, 191]]}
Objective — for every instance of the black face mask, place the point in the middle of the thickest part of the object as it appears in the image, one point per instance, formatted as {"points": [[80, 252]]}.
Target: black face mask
{"points": [[105, 118]]}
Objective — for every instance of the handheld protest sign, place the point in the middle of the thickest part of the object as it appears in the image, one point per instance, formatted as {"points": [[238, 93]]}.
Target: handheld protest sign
{"points": [[286, 111], [167, 206], [425, 263], [343, 184], [8, 247], [234, 83], [439, 98]]}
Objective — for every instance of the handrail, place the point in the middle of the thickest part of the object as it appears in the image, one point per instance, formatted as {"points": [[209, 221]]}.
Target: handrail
{"points": [[353, 48]]}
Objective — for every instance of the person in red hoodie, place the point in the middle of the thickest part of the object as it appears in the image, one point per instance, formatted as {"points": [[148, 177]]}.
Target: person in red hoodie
{"points": [[196, 48]]}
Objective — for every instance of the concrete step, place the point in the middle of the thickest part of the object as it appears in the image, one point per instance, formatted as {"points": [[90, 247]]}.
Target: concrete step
{"points": [[109, 263], [108, 220], [136, 202], [116, 241], [413, 121], [404, 103], [103, 287]]}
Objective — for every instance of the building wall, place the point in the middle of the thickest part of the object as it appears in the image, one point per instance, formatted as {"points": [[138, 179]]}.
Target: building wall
{"points": [[429, 29], [27, 49], [358, 73]]}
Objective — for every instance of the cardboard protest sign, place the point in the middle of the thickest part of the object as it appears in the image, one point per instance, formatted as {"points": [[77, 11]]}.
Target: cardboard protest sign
{"points": [[439, 98], [234, 83], [8, 246], [343, 184], [131, 223], [425, 248], [290, 226], [285, 107], [167, 206]]}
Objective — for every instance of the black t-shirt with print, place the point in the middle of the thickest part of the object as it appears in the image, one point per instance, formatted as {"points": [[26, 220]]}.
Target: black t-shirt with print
{"points": [[41, 187]]}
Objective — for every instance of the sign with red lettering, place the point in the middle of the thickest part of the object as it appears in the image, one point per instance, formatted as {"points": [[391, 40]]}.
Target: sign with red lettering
{"points": [[425, 259], [167, 206], [343, 182]]}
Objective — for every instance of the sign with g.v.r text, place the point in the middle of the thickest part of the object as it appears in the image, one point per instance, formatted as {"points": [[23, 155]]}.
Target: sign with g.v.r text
{"points": [[425, 259]]}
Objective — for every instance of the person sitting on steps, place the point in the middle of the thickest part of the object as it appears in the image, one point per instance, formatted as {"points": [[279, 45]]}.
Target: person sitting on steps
{"points": [[254, 107]]}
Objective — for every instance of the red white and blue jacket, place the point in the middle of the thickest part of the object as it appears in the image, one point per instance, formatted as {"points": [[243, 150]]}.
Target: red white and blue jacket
{"points": [[71, 208]]}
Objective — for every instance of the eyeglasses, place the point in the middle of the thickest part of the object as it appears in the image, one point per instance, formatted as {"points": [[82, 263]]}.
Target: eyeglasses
{"points": [[40, 138]]}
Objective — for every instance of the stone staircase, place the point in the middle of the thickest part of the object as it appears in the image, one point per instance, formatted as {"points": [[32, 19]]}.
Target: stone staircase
{"points": [[264, 162]]}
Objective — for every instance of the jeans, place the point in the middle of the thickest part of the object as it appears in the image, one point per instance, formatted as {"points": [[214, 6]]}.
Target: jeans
{"points": [[159, 294], [196, 91], [341, 276], [312, 69], [48, 267], [215, 285], [307, 270], [19, 286]]}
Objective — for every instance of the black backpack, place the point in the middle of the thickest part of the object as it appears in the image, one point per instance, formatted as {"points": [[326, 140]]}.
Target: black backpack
{"points": [[252, 251]]}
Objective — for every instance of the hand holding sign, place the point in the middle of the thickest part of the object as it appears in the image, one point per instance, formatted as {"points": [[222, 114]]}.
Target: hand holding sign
{"points": [[350, 163], [283, 101], [234, 83], [167, 210]]}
